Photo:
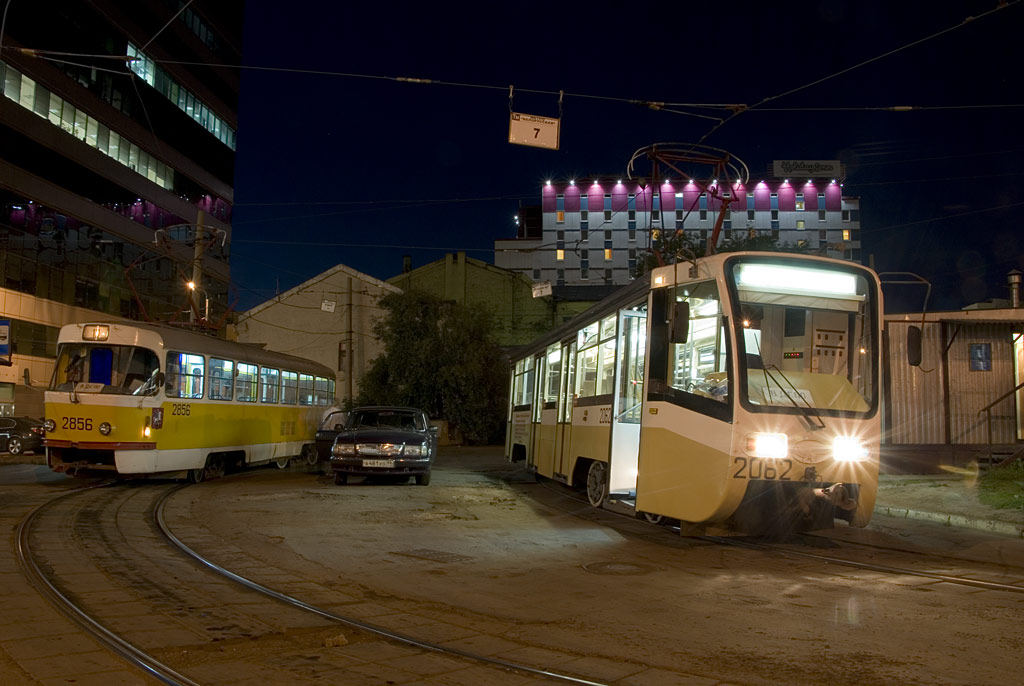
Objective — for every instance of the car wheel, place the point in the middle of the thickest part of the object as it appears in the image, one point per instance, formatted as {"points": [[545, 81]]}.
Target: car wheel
{"points": [[340, 479], [423, 479], [14, 446]]}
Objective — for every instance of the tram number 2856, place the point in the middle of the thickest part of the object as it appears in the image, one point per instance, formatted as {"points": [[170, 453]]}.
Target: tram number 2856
{"points": [[761, 468]]}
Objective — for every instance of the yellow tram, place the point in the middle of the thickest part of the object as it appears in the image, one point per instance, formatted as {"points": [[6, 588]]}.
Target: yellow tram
{"points": [[142, 399], [739, 390]]}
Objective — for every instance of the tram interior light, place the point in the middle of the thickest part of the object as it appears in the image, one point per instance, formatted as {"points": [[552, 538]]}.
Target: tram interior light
{"points": [[848, 449], [767, 445]]}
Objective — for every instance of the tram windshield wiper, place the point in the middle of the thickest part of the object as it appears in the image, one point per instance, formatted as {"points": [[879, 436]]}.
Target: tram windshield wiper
{"points": [[807, 410]]}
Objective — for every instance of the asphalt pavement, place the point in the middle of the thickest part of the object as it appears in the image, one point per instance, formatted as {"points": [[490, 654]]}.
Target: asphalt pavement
{"points": [[950, 499]]}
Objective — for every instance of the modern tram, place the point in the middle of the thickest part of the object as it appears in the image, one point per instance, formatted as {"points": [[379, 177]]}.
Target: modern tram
{"points": [[739, 390], [135, 400]]}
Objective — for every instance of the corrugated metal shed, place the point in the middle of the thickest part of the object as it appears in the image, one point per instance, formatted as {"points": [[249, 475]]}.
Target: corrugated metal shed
{"points": [[967, 363]]}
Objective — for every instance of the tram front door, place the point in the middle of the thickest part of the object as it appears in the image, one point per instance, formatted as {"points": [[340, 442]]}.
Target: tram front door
{"points": [[628, 403]]}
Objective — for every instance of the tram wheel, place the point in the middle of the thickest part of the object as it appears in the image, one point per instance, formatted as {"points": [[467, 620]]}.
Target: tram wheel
{"points": [[215, 467], [311, 455], [197, 475], [597, 483], [282, 462], [654, 518]]}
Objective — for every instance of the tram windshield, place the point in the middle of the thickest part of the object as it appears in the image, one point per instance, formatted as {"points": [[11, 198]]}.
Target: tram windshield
{"points": [[808, 339], [111, 369]]}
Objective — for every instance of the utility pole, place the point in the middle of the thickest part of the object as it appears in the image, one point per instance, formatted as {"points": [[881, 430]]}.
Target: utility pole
{"points": [[197, 262]]}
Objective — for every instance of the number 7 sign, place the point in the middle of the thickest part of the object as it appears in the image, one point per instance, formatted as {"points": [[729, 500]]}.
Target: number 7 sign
{"points": [[537, 132]]}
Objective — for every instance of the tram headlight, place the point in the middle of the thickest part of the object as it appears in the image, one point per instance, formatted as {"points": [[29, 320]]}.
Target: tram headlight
{"points": [[49, 425], [848, 449], [105, 428], [767, 445]]}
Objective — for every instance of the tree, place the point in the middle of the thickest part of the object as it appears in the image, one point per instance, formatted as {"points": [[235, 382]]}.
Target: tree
{"points": [[442, 357]]}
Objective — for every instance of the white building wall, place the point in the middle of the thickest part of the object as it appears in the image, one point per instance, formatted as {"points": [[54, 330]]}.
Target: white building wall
{"points": [[301, 322]]}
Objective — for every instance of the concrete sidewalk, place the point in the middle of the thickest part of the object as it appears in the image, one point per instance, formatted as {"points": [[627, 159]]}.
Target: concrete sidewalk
{"points": [[950, 499]]}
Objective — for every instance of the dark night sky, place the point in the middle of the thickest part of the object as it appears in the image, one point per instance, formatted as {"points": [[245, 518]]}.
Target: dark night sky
{"points": [[356, 163]]}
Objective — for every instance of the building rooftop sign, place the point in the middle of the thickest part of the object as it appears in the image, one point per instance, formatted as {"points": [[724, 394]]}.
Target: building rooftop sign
{"points": [[812, 169]]}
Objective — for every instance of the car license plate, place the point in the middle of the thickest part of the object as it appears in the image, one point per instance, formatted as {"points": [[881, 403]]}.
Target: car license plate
{"points": [[378, 463]]}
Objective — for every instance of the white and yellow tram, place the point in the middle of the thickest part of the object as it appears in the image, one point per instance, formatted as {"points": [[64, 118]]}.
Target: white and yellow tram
{"points": [[739, 390], [141, 399]]}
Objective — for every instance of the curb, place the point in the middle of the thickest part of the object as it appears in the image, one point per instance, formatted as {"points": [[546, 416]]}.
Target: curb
{"points": [[990, 525]]}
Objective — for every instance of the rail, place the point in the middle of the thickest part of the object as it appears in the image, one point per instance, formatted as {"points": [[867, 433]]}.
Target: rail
{"points": [[988, 412]]}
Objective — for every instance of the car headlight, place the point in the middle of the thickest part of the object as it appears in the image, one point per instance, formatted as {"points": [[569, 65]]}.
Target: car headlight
{"points": [[343, 449], [767, 445], [848, 449], [415, 450]]}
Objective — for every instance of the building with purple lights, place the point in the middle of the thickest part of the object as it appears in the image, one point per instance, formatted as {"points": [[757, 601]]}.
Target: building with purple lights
{"points": [[114, 150], [593, 231]]}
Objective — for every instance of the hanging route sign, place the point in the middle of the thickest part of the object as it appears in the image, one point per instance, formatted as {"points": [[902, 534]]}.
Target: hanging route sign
{"points": [[537, 132]]}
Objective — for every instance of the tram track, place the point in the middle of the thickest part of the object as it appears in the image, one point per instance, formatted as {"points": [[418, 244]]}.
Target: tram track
{"points": [[787, 551], [45, 574]]}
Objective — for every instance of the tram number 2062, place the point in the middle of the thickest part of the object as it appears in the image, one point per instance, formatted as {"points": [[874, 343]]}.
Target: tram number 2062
{"points": [[761, 468]]}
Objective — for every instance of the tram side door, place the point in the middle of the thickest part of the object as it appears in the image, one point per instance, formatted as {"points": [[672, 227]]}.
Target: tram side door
{"points": [[627, 405], [563, 426]]}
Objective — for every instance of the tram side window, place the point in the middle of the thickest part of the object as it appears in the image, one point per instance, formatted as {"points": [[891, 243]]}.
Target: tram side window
{"points": [[289, 387], [270, 380], [184, 375], [222, 379], [595, 361], [305, 389], [554, 373], [246, 383], [522, 384], [698, 366], [321, 394]]}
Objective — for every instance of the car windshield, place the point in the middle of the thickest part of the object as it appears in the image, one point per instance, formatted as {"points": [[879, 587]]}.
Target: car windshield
{"points": [[114, 369], [389, 419]]}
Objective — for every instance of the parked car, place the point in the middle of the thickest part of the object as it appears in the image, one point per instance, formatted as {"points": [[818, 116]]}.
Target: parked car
{"points": [[330, 426], [393, 441], [20, 434]]}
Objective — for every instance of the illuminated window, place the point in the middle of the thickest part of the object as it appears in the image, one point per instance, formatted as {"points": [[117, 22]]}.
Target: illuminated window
{"points": [[799, 205], [156, 77], [559, 255], [607, 253], [560, 216], [800, 224], [846, 234], [246, 381]]}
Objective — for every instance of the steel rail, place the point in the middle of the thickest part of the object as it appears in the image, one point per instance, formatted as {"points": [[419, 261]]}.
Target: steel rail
{"points": [[869, 566], [350, 621], [105, 636]]}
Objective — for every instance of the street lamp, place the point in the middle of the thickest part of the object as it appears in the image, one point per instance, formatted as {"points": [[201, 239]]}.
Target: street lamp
{"points": [[206, 296]]}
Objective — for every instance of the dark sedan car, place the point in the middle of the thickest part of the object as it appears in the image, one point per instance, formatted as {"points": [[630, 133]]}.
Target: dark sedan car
{"points": [[330, 426], [391, 441], [20, 434]]}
